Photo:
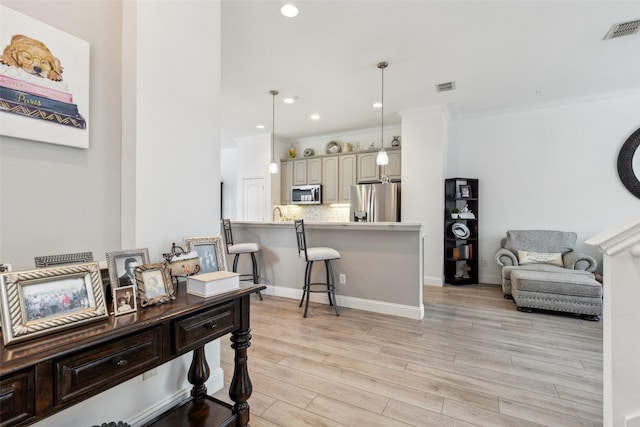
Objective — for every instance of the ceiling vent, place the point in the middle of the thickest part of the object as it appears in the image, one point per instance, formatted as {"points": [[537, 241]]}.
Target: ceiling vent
{"points": [[624, 29], [446, 87]]}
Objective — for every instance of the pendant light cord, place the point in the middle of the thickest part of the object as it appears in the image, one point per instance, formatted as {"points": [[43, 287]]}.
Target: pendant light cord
{"points": [[273, 124]]}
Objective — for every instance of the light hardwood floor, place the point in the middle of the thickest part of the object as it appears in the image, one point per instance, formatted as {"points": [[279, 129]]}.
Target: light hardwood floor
{"points": [[473, 360]]}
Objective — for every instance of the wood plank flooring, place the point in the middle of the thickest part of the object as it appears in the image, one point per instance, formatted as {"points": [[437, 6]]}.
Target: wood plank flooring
{"points": [[474, 360]]}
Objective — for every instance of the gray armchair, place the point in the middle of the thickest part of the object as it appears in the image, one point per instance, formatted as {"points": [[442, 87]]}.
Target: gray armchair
{"points": [[541, 241]]}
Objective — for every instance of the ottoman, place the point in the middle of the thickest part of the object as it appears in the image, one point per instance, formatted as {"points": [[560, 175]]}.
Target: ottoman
{"points": [[567, 292]]}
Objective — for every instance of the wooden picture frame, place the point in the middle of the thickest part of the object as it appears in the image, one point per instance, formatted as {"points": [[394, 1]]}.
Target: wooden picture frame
{"points": [[121, 269], [46, 300], [73, 258], [154, 284], [465, 191], [124, 300], [210, 252]]}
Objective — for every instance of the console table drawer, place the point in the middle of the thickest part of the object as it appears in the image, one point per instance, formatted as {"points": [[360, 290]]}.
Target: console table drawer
{"points": [[17, 398], [107, 364], [197, 330]]}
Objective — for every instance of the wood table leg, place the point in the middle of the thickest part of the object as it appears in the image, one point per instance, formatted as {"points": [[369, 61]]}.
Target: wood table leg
{"points": [[240, 388], [198, 374]]}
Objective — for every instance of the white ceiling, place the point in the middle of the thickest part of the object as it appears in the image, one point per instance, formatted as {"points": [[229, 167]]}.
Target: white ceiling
{"points": [[501, 54]]}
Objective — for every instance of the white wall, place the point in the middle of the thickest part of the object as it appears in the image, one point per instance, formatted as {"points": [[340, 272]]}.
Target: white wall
{"points": [[552, 167], [56, 199], [228, 175]]}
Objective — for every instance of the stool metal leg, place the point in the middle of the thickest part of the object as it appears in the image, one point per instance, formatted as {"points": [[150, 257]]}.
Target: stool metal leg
{"points": [[235, 263], [332, 293], [307, 286], [255, 271]]}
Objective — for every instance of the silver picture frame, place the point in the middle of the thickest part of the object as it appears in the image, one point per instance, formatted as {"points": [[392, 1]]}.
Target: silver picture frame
{"points": [[62, 259], [118, 261], [45, 300], [210, 252], [154, 284]]}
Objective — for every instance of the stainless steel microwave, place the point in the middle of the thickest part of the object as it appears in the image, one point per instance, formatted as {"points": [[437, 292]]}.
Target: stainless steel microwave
{"points": [[306, 194]]}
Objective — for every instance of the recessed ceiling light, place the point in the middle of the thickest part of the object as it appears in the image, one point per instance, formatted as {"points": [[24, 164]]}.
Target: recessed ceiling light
{"points": [[315, 117], [377, 105], [288, 100], [289, 10], [260, 126]]}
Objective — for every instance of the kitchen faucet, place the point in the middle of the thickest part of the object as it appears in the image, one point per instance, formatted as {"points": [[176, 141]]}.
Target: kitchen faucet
{"points": [[273, 215]]}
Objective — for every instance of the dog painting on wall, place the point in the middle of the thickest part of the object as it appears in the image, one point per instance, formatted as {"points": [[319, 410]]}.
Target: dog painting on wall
{"points": [[33, 56]]}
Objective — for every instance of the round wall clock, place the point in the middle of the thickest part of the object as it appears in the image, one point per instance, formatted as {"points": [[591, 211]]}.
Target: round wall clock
{"points": [[629, 163]]}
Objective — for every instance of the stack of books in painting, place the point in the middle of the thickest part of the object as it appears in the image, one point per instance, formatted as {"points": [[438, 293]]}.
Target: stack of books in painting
{"points": [[36, 97]]}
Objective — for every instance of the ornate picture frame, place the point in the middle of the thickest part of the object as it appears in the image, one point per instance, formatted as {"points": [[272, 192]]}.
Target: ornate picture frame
{"points": [[122, 269], [124, 300], [73, 258], [154, 284], [46, 300], [210, 252]]}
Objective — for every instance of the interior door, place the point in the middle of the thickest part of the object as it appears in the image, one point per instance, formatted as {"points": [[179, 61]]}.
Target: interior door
{"points": [[253, 199]]}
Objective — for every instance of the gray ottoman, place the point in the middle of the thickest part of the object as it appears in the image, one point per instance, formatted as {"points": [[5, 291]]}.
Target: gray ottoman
{"points": [[567, 292]]}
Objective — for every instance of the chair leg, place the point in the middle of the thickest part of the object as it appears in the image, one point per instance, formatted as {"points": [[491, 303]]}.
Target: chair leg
{"points": [[235, 263], [307, 281], [330, 279], [304, 286], [255, 272], [327, 267]]}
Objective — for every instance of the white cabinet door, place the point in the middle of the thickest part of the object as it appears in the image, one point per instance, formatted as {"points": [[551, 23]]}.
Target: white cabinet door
{"points": [[393, 169], [286, 182], [347, 176], [330, 180], [368, 170], [314, 171], [299, 172]]}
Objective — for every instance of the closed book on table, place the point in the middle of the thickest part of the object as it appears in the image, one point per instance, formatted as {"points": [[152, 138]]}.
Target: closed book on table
{"points": [[209, 284]]}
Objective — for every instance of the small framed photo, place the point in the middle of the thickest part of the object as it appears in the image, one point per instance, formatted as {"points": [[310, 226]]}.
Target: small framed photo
{"points": [[122, 266], [124, 300], [465, 191], [154, 284], [46, 300], [210, 253], [74, 258]]}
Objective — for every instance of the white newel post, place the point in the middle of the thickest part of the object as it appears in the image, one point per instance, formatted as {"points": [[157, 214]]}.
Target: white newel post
{"points": [[620, 247]]}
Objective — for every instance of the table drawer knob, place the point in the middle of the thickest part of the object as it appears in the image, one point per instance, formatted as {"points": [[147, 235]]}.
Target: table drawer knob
{"points": [[119, 362], [210, 325]]}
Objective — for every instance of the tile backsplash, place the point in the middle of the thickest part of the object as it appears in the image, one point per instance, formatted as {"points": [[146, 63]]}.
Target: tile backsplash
{"points": [[310, 213]]}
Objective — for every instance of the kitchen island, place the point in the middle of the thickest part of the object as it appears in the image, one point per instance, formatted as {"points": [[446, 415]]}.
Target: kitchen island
{"points": [[382, 262]]}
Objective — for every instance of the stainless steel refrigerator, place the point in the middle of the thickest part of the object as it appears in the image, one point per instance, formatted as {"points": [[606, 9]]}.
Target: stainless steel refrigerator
{"points": [[375, 203]]}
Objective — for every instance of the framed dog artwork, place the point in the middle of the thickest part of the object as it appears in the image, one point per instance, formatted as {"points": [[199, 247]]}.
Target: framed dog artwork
{"points": [[44, 82]]}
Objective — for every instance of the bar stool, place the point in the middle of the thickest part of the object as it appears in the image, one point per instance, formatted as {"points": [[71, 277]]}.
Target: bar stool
{"points": [[239, 249], [311, 255]]}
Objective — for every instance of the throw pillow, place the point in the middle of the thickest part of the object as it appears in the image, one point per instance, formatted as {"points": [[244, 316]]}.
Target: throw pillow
{"points": [[525, 257]]}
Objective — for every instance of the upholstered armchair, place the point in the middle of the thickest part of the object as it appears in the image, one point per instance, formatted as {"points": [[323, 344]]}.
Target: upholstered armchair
{"points": [[541, 250]]}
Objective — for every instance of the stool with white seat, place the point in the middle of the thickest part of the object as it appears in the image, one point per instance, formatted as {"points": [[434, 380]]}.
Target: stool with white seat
{"points": [[311, 255], [239, 249]]}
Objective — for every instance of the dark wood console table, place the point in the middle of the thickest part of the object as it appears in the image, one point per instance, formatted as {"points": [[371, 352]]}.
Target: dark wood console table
{"points": [[48, 374]]}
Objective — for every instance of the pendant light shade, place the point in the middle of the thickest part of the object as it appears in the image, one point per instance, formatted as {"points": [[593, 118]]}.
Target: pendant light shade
{"points": [[382, 159], [273, 166]]}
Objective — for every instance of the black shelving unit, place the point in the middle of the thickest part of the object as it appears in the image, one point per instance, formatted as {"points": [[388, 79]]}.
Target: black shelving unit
{"points": [[461, 251]]}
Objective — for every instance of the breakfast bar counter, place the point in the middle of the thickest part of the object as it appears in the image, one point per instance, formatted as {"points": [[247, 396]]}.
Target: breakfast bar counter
{"points": [[381, 263]]}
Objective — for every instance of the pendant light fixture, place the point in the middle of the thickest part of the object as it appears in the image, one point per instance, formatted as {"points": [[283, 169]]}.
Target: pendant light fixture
{"points": [[273, 166], [382, 159]]}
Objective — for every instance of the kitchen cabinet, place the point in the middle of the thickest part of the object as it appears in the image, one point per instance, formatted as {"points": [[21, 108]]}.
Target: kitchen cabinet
{"points": [[314, 171], [286, 181], [330, 179], [369, 171], [299, 172], [346, 176], [461, 234], [307, 171]]}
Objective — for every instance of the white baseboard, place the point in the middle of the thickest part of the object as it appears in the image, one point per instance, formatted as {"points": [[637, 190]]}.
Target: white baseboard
{"points": [[216, 379], [432, 281], [382, 307], [632, 420]]}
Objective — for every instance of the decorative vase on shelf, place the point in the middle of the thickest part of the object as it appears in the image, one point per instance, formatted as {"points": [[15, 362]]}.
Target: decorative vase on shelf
{"points": [[395, 142], [292, 152]]}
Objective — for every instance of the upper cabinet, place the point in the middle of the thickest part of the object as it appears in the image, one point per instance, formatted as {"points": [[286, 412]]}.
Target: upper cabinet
{"points": [[369, 171], [286, 181], [337, 173]]}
